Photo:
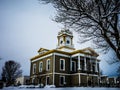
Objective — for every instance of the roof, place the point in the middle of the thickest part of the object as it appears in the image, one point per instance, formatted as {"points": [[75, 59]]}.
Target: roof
{"points": [[65, 31], [42, 49], [87, 51]]}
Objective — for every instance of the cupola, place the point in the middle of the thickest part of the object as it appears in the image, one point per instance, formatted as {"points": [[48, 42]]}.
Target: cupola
{"points": [[65, 40]]}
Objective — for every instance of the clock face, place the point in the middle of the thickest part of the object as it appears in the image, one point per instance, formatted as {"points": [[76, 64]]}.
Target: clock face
{"points": [[68, 41]]}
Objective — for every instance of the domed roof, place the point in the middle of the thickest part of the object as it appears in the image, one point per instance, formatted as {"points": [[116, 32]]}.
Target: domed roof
{"points": [[65, 31]]}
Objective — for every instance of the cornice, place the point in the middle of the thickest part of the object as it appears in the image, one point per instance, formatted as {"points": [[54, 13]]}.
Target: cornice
{"points": [[50, 51], [62, 52], [66, 47]]}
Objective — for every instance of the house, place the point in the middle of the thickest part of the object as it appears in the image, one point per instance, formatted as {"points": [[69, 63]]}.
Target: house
{"points": [[23, 80], [65, 66], [118, 81], [104, 81], [112, 81]]}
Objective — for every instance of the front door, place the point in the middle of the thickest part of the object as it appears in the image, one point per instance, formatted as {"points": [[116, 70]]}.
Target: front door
{"points": [[47, 80]]}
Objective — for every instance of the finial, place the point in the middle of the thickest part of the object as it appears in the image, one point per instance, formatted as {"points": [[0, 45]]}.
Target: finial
{"points": [[65, 26]]}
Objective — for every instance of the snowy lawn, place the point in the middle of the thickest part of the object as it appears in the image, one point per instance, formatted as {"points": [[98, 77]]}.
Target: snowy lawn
{"points": [[71, 88]]}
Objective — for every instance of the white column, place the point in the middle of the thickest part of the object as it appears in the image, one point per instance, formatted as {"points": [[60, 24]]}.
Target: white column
{"points": [[114, 80], [107, 80], [85, 64], [96, 69], [79, 62]]}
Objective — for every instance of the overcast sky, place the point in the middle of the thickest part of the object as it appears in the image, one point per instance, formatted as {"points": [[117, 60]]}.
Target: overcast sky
{"points": [[26, 26]]}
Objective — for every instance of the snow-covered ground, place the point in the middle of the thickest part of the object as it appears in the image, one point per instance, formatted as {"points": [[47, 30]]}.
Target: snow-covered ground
{"points": [[71, 88]]}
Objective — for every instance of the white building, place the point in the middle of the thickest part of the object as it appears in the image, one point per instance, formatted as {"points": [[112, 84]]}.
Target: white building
{"points": [[23, 80]]}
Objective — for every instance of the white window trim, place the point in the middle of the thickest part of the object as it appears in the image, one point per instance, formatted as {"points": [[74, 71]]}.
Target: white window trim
{"points": [[40, 67], [34, 66], [63, 81], [74, 65], [46, 79], [63, 64], [47, 65]]}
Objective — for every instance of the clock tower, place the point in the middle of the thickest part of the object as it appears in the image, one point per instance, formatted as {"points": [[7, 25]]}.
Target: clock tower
{"points": [[65, 40]]}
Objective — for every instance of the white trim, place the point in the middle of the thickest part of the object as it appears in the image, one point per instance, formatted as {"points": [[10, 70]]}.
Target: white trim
{"points": [[48, 60], [84, 55], [60, 80], [46, 74], [92, 75], [96, 67], [40, 69], [64, 74], [33, 76], [42, 57], [75, 55], [85, 65], [50, 55], [53, 68], [63, 64], [76, 74], [83, 74], [62, 55], [34, 70]]}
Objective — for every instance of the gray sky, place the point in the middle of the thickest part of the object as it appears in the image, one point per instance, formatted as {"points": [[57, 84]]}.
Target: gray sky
{"points": [[25, 26]]}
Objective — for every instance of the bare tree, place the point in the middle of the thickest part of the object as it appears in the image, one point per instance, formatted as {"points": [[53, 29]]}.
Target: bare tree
{"points": [[11, 71], [96, 20]]}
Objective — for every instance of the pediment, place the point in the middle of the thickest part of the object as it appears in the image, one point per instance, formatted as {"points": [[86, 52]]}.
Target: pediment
{"points": [[42, 49], [87, 51], [90, 51]]}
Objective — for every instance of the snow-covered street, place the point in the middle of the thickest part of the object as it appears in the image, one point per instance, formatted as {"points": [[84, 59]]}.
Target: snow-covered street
{"points": [[70, 88]]}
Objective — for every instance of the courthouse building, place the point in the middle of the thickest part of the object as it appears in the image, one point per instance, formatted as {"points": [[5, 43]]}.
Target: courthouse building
{"points": [[65, 66]]}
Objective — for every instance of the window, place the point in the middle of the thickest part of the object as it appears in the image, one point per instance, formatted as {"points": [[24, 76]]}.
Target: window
{"points": [[48, 65], [34, 68], [82, 63], [93, 67], [40, 66], [62, 64], [62, 80], [88, 64], [73, 66], [47, 80], [98, 67]]}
